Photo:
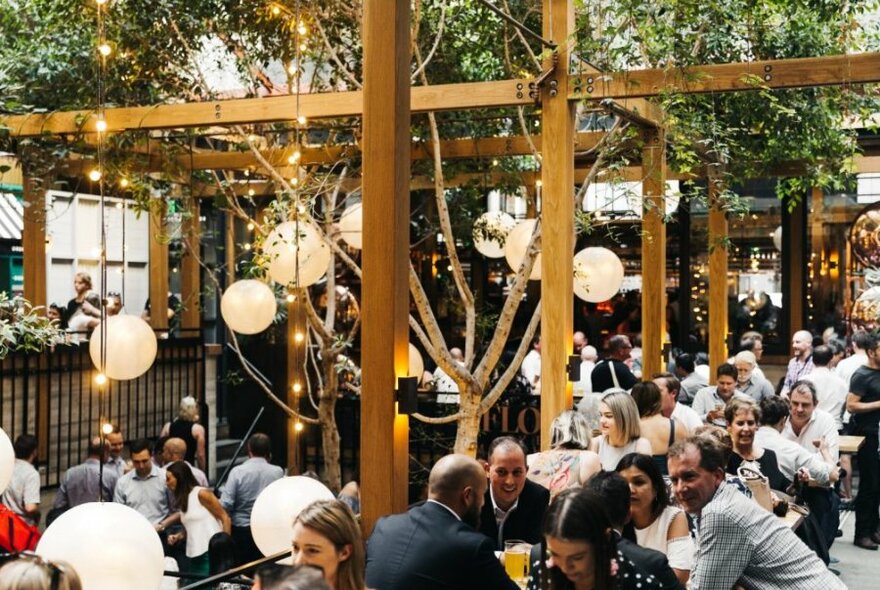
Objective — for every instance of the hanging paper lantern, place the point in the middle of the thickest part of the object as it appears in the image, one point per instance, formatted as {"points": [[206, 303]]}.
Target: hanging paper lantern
{"points": [[864, 236], [281, 246], [518, 243], [7, 460], [131, 347], [351, 226], [598, 274], [248, 306], [110, 545], [865, 313], [490, 233], [277, 507], [416, 364], [777, 238]]}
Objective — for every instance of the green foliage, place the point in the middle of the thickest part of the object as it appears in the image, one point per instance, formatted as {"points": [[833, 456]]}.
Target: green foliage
{"points": [[23, 327]]}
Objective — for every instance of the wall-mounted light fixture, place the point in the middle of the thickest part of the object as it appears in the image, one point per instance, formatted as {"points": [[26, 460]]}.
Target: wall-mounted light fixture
{"points": [[574, 368], [407, 395]]}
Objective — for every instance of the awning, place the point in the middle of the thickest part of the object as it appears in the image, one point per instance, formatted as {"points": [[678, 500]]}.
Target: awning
{"points": [[11, 217]]}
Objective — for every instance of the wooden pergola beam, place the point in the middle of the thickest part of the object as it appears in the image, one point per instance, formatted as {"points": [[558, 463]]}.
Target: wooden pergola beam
{"points": [[778, 73], [782, 73]]}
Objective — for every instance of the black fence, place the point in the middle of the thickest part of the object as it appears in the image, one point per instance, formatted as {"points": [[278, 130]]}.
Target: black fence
{"points": [[516, 416], [53, 395]]}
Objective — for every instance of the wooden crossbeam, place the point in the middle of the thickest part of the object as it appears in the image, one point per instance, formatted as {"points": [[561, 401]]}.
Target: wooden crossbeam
{"points": [[780, 73], [783, 73], [272, 109]]}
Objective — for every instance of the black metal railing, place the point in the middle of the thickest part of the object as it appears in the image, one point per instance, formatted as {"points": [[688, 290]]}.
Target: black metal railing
{"points": [[53, 395]]}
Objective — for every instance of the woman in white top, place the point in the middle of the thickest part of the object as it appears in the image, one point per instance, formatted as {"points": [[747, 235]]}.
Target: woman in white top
{"points": [[658, 525], [621, 433], [201, 514], [568, 463]]}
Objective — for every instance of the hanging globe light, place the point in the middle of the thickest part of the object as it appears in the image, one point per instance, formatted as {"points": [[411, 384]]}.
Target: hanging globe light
{"points": [[110, 545], [518, 243], [598, 274], [131, 347], [277, 507], [351, 226], [248, 306], [281, 247], [490, 233]]}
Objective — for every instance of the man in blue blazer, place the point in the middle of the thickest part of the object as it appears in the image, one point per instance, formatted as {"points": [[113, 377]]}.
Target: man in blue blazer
{"points": [[514, 506], [436, 545]]}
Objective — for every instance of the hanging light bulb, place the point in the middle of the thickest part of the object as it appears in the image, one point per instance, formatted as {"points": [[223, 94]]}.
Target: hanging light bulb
{"points": [[250, 226], [104, 49], [123, 182], [107, 428], [297, 387], [301, 29], [301, 119], [294, 157], [101, 125], [95, 175], [298, 427], [299, 337], [291, 297], [101, 379]]}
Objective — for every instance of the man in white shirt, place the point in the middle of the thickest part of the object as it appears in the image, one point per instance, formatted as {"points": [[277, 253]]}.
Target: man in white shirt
{"points": [[710, 401], [531, 366], [589, 356], [794, 461], [814, 429], [670, 407], [859, 357], [446, 388], [831, 390]]}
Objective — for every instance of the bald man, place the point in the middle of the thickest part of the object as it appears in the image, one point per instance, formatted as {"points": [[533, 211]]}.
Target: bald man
{"points": [[436, 545], [801, 363], [175, 450]]}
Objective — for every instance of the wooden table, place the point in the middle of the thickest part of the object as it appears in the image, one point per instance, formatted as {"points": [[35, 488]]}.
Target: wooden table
{"points": [[851, 444]]}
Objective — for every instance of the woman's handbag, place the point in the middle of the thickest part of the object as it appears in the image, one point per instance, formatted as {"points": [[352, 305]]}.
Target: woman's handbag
{"points": [[758, 484]]}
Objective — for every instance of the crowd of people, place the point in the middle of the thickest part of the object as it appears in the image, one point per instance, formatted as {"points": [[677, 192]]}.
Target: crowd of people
{"points": [[667, 482]]}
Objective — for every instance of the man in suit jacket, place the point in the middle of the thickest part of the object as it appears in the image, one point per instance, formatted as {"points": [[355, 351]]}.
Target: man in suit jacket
{"points": [[514, 506], [435, 546]]}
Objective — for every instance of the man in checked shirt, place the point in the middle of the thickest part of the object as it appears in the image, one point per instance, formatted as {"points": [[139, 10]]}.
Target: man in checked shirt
{"points": [[738, 543]]}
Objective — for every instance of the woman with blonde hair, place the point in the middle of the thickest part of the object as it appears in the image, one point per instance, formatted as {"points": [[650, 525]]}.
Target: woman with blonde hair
{"points": [[187, 428], [326, 535], [621, 431], [569, 463], [31, 572]]}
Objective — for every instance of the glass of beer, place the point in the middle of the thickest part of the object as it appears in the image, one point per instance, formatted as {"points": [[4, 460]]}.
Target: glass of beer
{"points": [[516, 559]]}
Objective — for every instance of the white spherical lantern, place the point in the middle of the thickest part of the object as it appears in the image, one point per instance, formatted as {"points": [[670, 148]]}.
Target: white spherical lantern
{"points": [[131, 347], [416, 364], [351, 226], [281, 246], [277, 507], [7, 460], [598, 274], [518, 243], [248, 306], [490, 233], [110, 545], [777, 238]]}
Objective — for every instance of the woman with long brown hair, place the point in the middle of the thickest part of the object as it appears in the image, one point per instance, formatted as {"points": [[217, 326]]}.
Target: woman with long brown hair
{"points": [[325, 534]]}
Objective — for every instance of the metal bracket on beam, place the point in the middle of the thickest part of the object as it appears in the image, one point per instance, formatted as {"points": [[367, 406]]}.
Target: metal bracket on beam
{"points": [[537, 84]]}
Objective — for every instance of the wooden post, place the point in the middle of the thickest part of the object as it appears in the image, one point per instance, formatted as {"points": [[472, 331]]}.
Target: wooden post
{"points": [[386, 159], [190, 270], [33, 241], [718, 234], [557, 224], [653, 251], [158, 268]]}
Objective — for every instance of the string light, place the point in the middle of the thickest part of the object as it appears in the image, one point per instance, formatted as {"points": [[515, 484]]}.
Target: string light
{"points": [[101, 125], [297, 387], [301, 119], [104, 49], [123, 183], [250, 226], [299, 337], [291, 297], [107, 428], [294, 157], [298, 427], [95, 175], [101, 379]]}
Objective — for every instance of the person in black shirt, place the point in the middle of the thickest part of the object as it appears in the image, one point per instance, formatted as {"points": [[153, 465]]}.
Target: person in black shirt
{"points": [[863, 402], [612, 371]]}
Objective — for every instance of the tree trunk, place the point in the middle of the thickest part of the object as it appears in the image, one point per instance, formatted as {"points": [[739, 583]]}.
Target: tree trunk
{"points": [[327, 417], [468, 422]]}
